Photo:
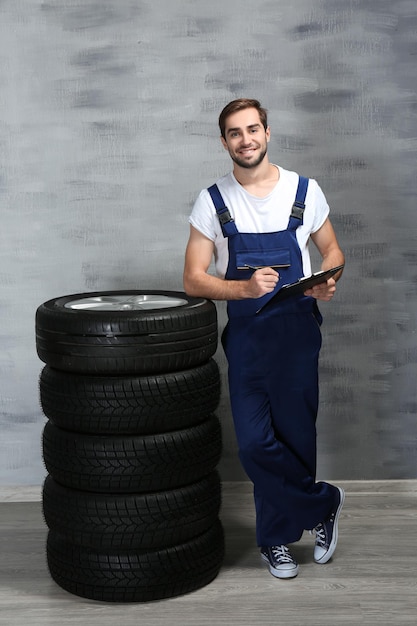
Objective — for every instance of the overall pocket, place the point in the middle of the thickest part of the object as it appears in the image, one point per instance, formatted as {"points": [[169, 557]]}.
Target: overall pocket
{"points": [[277, 258]]}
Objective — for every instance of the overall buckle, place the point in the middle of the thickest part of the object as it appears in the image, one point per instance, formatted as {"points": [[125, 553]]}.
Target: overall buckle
{"points": [[225, 217]]}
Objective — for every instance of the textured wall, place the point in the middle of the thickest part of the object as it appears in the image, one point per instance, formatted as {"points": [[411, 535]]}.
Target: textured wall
{"points": [[108, 130]]}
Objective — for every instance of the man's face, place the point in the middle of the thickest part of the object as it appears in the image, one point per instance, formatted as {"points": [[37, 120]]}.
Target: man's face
{"points": [[246, 139]]}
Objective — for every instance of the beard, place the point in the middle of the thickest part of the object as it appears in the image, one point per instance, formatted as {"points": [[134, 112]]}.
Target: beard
{"points": [[249, 164]]}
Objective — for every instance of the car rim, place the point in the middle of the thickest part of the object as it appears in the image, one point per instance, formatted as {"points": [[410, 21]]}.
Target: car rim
{"points": [[128, 302]]}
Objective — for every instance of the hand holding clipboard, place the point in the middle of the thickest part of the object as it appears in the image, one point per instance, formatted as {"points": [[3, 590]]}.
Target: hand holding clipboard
{"points": [[301, 285]]}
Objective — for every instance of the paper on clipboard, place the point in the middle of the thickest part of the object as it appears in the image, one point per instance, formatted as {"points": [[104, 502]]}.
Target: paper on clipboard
{"points": [[301, 285]]}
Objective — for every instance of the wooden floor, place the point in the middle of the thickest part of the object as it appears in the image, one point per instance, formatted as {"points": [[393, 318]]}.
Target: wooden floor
{"points": [[372, 578]]}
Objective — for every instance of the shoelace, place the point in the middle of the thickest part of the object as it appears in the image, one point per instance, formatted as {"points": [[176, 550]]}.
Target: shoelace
{"points": [[282, 554], [320, 535]]}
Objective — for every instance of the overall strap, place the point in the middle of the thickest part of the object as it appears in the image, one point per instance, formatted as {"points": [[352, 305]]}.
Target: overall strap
{"points": [[297, 212], [227, 222]]}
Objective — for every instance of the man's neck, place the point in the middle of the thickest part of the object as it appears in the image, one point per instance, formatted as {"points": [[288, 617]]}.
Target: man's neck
{"points": [[258, 181]]}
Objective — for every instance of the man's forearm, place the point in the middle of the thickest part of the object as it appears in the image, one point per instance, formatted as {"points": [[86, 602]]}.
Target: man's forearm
{"points": [[214, 288], [333, 259]]}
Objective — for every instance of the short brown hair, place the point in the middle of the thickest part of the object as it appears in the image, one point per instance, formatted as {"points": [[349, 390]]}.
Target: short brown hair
{"points": [[240, 105]]}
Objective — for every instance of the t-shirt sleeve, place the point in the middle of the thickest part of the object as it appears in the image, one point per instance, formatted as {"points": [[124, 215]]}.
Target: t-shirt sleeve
{"points": [[321, 208], [203, 216]]}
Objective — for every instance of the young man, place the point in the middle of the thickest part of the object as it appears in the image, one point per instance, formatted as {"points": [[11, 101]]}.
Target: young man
{"points": [[259, 232]]}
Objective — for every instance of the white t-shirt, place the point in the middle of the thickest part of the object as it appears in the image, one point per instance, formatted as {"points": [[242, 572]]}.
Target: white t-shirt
{"points": [[259, 215]]}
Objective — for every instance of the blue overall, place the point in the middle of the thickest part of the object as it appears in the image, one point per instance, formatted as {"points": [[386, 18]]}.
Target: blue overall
{"points": [[273, 381]]}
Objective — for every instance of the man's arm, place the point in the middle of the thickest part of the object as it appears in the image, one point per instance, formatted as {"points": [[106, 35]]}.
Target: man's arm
{"points": [[326, 242], [198, 283]]}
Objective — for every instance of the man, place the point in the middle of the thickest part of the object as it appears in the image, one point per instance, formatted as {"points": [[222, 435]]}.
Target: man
{"points": [[257, 221]]}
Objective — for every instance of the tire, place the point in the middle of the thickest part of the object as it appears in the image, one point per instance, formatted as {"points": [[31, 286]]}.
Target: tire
{"points": [[112, 333], [138, 405], [132, 464], [132, 522], [136, 576]]}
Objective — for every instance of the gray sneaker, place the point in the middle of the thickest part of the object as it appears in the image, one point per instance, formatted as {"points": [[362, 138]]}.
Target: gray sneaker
{"points": [[281, 563], [327, 531]]}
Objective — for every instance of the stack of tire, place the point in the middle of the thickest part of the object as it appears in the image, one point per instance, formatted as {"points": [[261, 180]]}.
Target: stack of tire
{"points": [[131, 445]]}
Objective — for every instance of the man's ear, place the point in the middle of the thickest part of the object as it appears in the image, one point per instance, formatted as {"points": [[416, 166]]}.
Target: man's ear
{"points": [[224, 144], [268, 134]]}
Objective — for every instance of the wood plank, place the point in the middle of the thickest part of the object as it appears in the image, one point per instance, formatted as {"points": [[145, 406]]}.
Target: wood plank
{"points": [[372, 578]]}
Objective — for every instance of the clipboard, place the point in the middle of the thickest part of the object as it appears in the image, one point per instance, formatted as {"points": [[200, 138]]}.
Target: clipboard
{"points": [[301, 285]]}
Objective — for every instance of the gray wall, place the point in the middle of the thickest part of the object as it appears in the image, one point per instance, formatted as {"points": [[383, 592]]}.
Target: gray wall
{"points": [[108, 130]]}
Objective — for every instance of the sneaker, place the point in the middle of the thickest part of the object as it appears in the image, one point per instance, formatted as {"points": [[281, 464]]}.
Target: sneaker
{"points": [[281, 563], [326, 532]]}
